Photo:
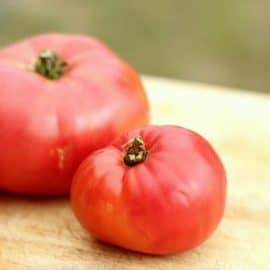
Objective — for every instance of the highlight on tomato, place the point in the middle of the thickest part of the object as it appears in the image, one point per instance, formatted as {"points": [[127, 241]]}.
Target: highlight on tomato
{"points": [[157, 190], [62, 96]]}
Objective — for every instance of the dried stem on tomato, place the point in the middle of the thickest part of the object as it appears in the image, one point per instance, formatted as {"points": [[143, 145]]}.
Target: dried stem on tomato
{"points": [[135, 151]]}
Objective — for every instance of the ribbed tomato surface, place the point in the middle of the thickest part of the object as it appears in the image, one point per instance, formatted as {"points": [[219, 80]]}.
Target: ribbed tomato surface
{"points": [[61, 97], [158, 190]]}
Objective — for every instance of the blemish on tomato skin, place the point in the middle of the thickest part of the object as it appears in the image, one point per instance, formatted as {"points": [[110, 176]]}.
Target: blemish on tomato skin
{"points": [[61, 157]]}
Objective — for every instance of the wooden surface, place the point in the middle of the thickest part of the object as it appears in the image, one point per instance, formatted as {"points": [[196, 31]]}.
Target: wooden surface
{"points": [[43, 234]]}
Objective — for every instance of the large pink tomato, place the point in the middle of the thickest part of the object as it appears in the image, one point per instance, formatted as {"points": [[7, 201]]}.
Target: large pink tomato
{"points": [[61, 97], [159, 190]]}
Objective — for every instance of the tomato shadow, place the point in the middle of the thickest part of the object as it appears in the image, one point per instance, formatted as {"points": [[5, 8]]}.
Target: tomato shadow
{"points": [[6, 195], [19, 201], [122, 255]]}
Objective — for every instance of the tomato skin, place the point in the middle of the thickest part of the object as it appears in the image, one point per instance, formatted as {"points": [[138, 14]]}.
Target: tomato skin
{"points": [[171, 202], [47, 127]]}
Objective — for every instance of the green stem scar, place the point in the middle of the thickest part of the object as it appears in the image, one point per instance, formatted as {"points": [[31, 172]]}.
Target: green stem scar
{"points": [[50, 65]]}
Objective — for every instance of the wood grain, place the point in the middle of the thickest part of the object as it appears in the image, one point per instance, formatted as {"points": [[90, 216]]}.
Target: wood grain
{"points": [[42, 234]]}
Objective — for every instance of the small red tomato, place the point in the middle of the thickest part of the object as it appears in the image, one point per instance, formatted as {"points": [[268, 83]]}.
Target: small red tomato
{"points": [[61, 97], [157, 190]]}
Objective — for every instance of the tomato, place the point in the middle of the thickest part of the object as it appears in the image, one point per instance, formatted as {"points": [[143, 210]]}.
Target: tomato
{"points": [[61, 97], [157, 190]]}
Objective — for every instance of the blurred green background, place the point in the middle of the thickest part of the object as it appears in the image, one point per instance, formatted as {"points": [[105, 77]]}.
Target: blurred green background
{"points": [[218, 42]]}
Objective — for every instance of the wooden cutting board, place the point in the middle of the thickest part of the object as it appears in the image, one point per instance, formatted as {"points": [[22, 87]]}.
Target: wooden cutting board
{"points": [[42, 234]]}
